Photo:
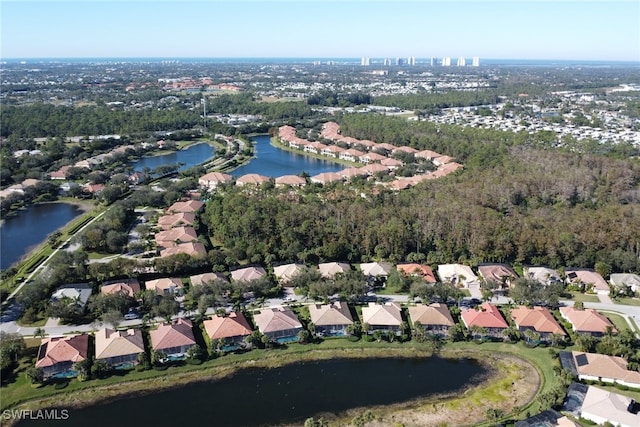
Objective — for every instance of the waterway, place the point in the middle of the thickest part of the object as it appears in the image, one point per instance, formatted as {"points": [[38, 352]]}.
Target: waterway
{"points": [[21, 233], [273, 161], [189, 157], [288, 394]]}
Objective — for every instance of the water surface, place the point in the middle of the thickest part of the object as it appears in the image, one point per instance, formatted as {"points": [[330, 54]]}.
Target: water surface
{"points": [[190, 156]]}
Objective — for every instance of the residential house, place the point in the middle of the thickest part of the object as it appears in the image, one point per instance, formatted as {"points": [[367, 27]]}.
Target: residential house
{"points": [[500, 275], [371, 158], [434, 318], [351, 155], [279, 324], [427, 155], [622, 281], [232, 329], [195, 249], [442, 160], [165, 286], [290, 181], [457, 274], [331, 319], [330, 269], [350, 173], [314, 147], [538, 319], [130, 287], [383, 317], [79, 293], [57, 355], [175, 236], [173, 339], [420, 270], [326, 178], [600, 367], [544, 275], [119, 348], [487, 321], [588, 278], [213, 180], [192, 206], [284, 273], [180, 219], [391, 164], [200, 279], [587, 321], [605, 407], [251, 179], [248, 274], [374, 168], [332, 151], [376, 269]]}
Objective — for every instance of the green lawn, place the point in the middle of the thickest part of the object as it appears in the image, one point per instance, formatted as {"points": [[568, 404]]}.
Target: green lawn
{"points": [[618, 321], [578, 296], [627, 301]]}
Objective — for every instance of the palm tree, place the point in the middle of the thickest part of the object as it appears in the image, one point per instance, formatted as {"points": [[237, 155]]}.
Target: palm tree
{"points": [[39, 333]]}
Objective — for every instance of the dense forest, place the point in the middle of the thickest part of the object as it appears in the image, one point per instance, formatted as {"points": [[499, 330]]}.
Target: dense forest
{"points": [[514, 202]]}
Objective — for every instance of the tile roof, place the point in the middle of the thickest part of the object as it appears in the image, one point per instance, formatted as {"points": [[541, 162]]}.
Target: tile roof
{"points": [[286, 272], [588, 277], [177, 334], [181, 218], [128, 286], [188, 206], [163, 285], [336, 313], [601, 365], [599, 405], [376, 268], [248, 274], [110, 343], [276, 319], [587, 320], [387, 314], [538, 318], [189, 248], [422, 270], [487, 317], [62, 349], [330, 269], [199, 279], [432, 314], [233, 325]]}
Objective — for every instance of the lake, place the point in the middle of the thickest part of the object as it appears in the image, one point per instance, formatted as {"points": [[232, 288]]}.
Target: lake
{"points": [[20, 233], [291, 393], [190, 156], [274, 162]]}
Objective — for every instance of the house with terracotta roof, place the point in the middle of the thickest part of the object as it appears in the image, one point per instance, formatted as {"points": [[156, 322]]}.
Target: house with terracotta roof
{"points": [[180, 219], [538, 319], [192, 206], [129, 287], [290, 181], [419, 270], [248, 274], [588, 278], [427, 155], [332, 151], [330, 269], [607, 408], [200, 279], [600, 367], [501, 275], [351, 155], [173, 339], [326, 178], [371, 158], [331, 319], [213, 180], [545, 275], [165, 286], [195, 249], [314, 147], [58, 354], [232, 328], [175, 236], [119, 348], [587, 321], [374, 168], [284, 273], [383, 317], [435, 318], [487, 317], [251, 179], [278, 323], [442, 160], [350, 173]]}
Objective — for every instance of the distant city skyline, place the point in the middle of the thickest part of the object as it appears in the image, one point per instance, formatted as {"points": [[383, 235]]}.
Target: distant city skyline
{"points": [[544, 29]]}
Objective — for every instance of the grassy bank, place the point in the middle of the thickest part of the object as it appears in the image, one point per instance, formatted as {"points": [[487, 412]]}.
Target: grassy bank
{"points": [[505, 362]]}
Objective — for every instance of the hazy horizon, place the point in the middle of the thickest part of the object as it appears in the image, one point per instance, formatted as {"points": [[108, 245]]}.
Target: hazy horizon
{"points": [[510, 30]]}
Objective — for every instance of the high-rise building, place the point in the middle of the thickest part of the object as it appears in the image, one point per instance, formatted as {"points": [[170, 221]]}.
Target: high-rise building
{"points": [[461, 62], [433, 61], [365, 61], [475, 62], [386, 61], [446, 61], [399, 61], [411, 60]]}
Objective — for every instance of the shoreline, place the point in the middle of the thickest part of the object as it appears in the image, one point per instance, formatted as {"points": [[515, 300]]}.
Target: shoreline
{"points": [[441, 403]]}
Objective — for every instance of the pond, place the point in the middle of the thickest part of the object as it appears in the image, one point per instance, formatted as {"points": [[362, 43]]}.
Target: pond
{"points": [[21, 233], [190, 156], [274, 162], [288, 394]]}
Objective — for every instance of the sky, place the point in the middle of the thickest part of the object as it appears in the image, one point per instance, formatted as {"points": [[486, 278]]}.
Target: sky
{"points": [[507, 29]]}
